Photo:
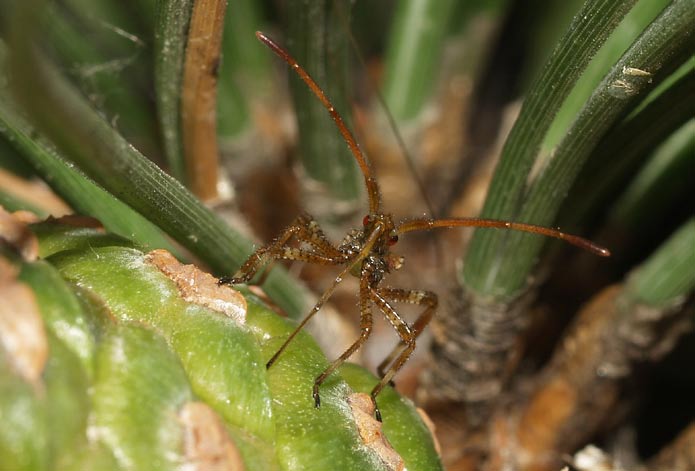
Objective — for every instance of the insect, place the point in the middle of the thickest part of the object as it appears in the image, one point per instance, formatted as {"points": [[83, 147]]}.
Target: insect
{"points": [[366, 253]]}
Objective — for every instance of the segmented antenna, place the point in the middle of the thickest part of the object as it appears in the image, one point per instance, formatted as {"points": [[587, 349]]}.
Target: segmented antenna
{"points": [[373, 189], [407, 156], [369, 180], [426, 224]]}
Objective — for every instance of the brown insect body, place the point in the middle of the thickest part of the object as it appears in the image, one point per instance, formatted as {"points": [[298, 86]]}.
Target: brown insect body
{"points": [[379, 257], [365, 253]]}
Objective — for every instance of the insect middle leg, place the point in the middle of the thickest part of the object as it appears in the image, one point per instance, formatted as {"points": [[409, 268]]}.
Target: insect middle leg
{"points": [[408, 334], [305, 230]]}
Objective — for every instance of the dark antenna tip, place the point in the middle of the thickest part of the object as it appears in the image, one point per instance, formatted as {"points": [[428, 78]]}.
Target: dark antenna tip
{"points": [[603, 252]]}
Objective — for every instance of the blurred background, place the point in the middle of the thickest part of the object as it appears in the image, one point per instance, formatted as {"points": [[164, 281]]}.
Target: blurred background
{"points": [[565, 114]]}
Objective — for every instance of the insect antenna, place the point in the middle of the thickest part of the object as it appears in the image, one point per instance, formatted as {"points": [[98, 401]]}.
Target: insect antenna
{"points": [[373, 193], [412, 225], [407, 155]]}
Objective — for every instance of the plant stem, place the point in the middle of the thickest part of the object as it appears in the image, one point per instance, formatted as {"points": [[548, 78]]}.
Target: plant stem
{"points": [[316, 39], [622, 330], [664, 177], [242, 52], [587, 33], [245, 72], [623, 150], [635, 21], [413, 53], [113, 163], [106, 79], [660, 49], [171, 25], [199, 97], [80, 192], [667, 277]]}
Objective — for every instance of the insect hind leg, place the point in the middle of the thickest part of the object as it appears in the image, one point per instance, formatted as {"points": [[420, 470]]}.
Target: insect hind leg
{"points": [[395, 360]]}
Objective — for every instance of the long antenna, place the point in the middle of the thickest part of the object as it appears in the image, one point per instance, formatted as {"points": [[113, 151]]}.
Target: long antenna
{"points": [[369, 180], [426, 224], [409, 160]]}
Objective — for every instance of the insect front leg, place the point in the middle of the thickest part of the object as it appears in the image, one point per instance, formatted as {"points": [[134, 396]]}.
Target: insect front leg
{"points": [[408, 334], [305, 230]]}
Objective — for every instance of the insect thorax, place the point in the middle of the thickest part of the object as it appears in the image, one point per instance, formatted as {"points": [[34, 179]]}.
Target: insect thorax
{"points": [[376, 268], [352, 243]]}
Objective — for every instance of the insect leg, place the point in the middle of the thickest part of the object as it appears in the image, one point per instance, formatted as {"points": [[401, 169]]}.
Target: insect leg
{"points": [[408, 334], [317, 307], [365, 332], [313, 235], [365, 311], [305, 230]]}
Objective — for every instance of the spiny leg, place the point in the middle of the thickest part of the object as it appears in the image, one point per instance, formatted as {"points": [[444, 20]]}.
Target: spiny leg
{"points": [[410, 296], [365, 332], [350, 263], [316, 237], [306, 230], [408, 334]]}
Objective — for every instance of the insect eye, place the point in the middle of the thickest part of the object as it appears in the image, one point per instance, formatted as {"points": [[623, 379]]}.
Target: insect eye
{"points": [[367, 219], [393, 239]]}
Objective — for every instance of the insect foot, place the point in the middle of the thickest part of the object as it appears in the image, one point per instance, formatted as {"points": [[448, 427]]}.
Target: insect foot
{"points": [[377, 412], [316, 396], [228, 280]]}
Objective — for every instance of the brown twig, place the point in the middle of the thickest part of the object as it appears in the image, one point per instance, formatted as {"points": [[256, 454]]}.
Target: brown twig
{"points": [[679, 455], [580, 389], [476, 351], [199, 97]]}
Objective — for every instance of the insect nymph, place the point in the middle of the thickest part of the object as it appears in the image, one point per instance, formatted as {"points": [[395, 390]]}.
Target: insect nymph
{"points": [[366, 254]]}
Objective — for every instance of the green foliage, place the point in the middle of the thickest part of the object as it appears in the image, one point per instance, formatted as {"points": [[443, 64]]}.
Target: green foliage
{"points": [[90, 101], [499, 264], [126, 350]]}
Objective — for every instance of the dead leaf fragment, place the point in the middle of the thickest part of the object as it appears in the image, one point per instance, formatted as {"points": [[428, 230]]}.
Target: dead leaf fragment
{"points": [[206, 444], [431, 427], [371, 432], [22, 333], [634, 71], [35, 192], [198, 287], [79, 220], [15, 232], [592, 458], [27, 217], [199, 97]]}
